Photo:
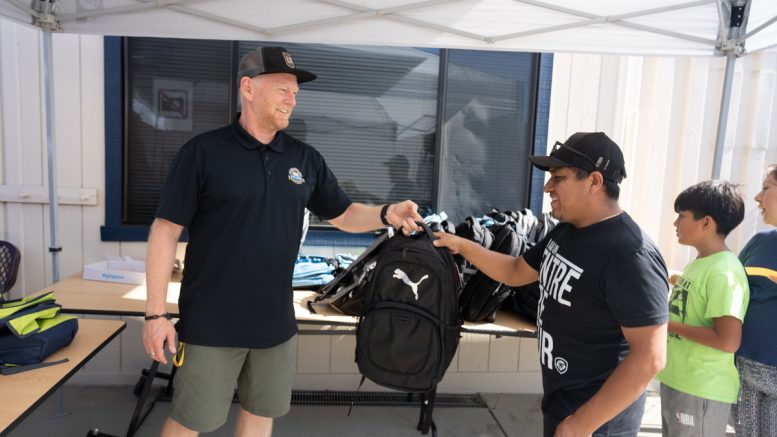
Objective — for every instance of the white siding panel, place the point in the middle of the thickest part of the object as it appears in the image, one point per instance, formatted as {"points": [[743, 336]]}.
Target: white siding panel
{"points": [[752, 139], [584, 87], [70, 238], [313, 352], [11, 118], [67, 107], [559, 98], [13, 233], [343, 354], [473, 353], [529, 359], [454, 366], [682, 162], [606, 118], [762, 153], [665, 118], [33, 248], [32, 136], [93, 147], [734, 131], [6, 37], [503, 354], [714, 93], [647, 157]]}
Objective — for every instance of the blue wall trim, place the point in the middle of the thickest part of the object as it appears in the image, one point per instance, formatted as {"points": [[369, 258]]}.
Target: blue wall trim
{"points": [[124, 233], [541, 129], [113, 230], [332, 237]]}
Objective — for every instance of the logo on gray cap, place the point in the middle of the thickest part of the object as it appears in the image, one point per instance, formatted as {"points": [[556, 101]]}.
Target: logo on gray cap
{"points": [[287, 58]]}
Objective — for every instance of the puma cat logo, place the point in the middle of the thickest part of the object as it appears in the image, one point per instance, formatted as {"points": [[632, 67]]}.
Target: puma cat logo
{"points": [[399, 274]]}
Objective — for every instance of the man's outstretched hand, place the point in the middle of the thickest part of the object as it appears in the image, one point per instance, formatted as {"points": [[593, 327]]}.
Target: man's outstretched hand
{"points": [[404, 215]]}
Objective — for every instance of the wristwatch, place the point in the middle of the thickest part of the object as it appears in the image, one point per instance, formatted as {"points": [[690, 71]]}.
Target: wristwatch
{"points": [[383, 212]]}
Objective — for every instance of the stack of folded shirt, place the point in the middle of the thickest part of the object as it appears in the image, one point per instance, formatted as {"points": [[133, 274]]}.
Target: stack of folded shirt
{"points": [[312, 271]]}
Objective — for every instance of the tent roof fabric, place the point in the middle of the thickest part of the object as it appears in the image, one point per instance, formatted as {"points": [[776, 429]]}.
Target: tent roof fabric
{"points": [[639, 27]]}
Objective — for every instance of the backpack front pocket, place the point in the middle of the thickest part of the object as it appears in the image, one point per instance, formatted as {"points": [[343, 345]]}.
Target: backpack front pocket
{"points": [[404, 347]]}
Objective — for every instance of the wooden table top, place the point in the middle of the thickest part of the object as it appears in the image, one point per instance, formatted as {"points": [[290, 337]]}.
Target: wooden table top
{"points": [[77, 295], [23, 392]]}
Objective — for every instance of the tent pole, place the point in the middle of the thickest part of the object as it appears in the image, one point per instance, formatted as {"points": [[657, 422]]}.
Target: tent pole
{"points": [[720, 136], [48, 81], [47, 22], [733, 16]]}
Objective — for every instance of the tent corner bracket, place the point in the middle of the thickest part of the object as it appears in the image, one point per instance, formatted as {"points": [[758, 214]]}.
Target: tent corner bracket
{"points": [[46, 17]]}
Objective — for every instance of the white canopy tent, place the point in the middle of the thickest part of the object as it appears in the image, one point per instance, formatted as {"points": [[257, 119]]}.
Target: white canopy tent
{"points": [[658, 27], [638, 27]]}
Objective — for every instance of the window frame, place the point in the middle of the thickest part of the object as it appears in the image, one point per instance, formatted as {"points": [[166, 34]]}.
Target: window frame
{"points": [[115, 122]]}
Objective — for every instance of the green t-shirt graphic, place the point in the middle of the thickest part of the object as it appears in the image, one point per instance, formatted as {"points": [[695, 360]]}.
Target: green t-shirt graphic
{"points": [[710, 287]]}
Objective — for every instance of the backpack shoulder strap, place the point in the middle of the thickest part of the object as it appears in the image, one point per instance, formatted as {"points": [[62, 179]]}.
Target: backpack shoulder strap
{"points": [[10, 369]]}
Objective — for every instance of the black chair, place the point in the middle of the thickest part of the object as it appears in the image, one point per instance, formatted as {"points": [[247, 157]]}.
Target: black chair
{"points": [[9, 266]]}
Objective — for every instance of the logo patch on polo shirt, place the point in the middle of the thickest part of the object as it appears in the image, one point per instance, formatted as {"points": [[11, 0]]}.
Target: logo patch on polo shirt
{"points": [[296, 176]]}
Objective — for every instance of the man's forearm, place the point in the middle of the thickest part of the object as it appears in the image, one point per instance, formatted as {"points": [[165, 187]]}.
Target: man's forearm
{"points": [[626, 383], [359, 218], [622, 388], [498, 266], [162, 243]]}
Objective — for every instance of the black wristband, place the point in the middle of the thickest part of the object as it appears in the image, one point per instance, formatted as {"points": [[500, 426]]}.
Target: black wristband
{"points": [[167, 316], [383, 212]]}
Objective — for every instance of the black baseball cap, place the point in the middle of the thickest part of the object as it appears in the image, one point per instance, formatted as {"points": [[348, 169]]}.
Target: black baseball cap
{"points": [[268, 60], [590, 151]]}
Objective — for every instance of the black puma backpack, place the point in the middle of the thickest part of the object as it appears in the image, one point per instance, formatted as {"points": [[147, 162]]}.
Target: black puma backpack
{"points": [[346, 292], [410, 325]]}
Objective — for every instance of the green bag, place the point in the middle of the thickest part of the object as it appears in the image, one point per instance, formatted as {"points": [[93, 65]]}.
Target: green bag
{"points": [[31, 329]]}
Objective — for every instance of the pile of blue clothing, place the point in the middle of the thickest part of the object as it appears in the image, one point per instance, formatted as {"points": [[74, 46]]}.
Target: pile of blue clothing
{"points": [[316, 271]]}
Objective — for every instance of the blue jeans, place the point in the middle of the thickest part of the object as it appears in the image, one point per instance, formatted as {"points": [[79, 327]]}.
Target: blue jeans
{"points": [[625, 424]]}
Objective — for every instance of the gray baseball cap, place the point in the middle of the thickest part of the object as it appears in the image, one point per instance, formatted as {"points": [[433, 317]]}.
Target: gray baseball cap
{"points": [[268, 60]]}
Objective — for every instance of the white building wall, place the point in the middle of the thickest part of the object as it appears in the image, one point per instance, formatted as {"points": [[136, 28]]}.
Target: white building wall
{"points": [[663, 111]]}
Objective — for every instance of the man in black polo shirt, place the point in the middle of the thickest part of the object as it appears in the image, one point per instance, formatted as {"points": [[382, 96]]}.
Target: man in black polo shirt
{"points": [[241, 191], [602, 315]]}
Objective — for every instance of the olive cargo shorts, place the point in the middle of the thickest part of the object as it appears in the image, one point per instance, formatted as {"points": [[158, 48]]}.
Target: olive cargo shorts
{"points": [[205, 382]]}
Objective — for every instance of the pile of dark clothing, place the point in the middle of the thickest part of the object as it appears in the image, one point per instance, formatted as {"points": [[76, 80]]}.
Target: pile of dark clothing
{"points": [[508, 232]]}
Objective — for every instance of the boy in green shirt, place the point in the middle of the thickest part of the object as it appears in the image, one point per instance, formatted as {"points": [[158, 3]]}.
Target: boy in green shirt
{"points": [[706, 310]]}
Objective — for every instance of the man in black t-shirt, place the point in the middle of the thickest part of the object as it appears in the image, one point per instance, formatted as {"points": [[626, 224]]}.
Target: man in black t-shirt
{"points": [[601, 319], [241, 191]]}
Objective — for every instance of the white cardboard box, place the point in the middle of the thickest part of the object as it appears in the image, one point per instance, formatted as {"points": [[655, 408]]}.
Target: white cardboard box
{"points": [[127, 272]]}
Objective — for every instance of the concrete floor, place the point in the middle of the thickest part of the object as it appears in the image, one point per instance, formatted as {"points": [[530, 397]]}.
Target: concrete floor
{"points": [[109, 409]]}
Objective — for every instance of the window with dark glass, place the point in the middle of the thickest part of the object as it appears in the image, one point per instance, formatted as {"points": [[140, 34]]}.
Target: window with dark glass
{"points": [[176, 88], [449, 129], [488, 131], [371, 112]]}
